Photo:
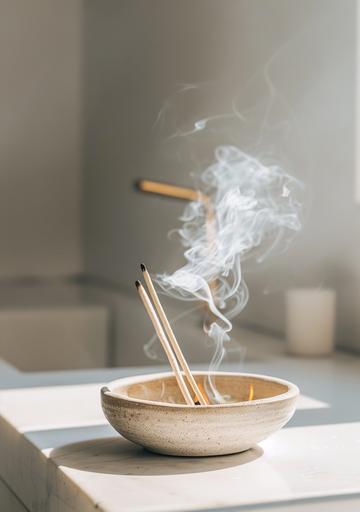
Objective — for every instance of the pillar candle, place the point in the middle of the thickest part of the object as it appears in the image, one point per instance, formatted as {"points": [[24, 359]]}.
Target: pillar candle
{"points": [[310, 321]]}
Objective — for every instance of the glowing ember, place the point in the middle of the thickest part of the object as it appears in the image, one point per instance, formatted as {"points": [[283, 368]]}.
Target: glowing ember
{"points": [[202, 389], [251, 393]]}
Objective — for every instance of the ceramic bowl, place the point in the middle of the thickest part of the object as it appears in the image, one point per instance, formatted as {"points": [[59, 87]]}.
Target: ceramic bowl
{"points": [[149, 411]]}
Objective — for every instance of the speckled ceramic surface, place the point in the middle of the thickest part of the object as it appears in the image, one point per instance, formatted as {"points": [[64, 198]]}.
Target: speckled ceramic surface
{"points": [[149, 411]]}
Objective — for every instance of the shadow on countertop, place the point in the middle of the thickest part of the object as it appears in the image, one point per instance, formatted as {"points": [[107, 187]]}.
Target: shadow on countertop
{"points": [[117, 456]]}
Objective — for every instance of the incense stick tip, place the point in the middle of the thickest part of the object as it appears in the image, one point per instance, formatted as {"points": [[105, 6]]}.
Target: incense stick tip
{"points": [[143, 268], [137, 284]]}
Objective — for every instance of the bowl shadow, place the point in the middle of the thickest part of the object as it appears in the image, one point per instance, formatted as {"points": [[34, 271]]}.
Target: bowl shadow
{"points": [[117, 456]]}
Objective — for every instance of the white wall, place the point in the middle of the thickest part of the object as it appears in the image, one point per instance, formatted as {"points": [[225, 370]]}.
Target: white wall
{"points": [[135, 55], [40, 138]]}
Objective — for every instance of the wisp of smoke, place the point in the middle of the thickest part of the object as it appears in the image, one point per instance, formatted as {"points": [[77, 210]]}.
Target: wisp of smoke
{"points": [[245, 208], [248, 206]]}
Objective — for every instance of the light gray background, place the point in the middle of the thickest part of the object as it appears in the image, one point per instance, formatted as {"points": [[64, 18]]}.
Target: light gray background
{"points": [[135, 55], [40, 137], [82, 83]]}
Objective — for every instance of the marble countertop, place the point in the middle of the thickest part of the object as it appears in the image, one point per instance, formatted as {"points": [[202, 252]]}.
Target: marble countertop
{"points": [[59, 454]]}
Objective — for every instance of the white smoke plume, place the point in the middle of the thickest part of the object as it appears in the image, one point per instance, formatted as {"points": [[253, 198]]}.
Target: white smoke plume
{"points": [[245, 208], [248, 207]]}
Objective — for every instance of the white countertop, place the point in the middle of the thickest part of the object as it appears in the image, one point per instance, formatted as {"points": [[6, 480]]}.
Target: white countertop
{"points": [[59, 454]]}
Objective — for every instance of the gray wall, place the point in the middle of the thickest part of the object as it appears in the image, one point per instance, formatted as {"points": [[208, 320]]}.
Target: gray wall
{"points": [[40, 137], [135, 54]]}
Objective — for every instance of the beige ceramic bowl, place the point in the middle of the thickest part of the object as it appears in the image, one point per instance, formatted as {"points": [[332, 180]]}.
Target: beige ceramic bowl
{"points": [[149, 411]]}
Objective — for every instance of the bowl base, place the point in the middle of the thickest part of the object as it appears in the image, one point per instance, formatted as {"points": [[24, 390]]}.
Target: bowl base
{"points": [[197, 453]]}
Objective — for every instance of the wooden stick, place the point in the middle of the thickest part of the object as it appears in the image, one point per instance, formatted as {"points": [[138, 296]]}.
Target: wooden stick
{"points": [[173, 341], [164, 342], [169, 190], [187, 194]]}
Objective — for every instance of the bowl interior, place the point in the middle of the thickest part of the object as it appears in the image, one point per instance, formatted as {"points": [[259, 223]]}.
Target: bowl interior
{"points": [[232, 387]]}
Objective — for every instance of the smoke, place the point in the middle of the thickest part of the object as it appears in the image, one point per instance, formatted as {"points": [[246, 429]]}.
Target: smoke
{"points": [[245, 209], [248, 208]]}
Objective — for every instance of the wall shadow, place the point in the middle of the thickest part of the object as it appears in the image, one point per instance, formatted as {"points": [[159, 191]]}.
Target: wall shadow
{"points": [[117, 456]]}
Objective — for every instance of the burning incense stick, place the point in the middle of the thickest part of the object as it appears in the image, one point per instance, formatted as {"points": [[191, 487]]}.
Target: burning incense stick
{"points": [[164, 342], [173, 341]]}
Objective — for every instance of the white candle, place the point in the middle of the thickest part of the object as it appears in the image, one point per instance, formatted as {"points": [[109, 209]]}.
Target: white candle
{"points": [[310, 321]]}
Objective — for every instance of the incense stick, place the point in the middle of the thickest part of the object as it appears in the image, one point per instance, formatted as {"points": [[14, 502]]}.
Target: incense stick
{"points": [[173, 341], [164, 342]]}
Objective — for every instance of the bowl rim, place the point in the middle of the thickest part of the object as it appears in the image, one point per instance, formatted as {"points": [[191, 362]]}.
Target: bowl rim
{"points": [[108, 390]]}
